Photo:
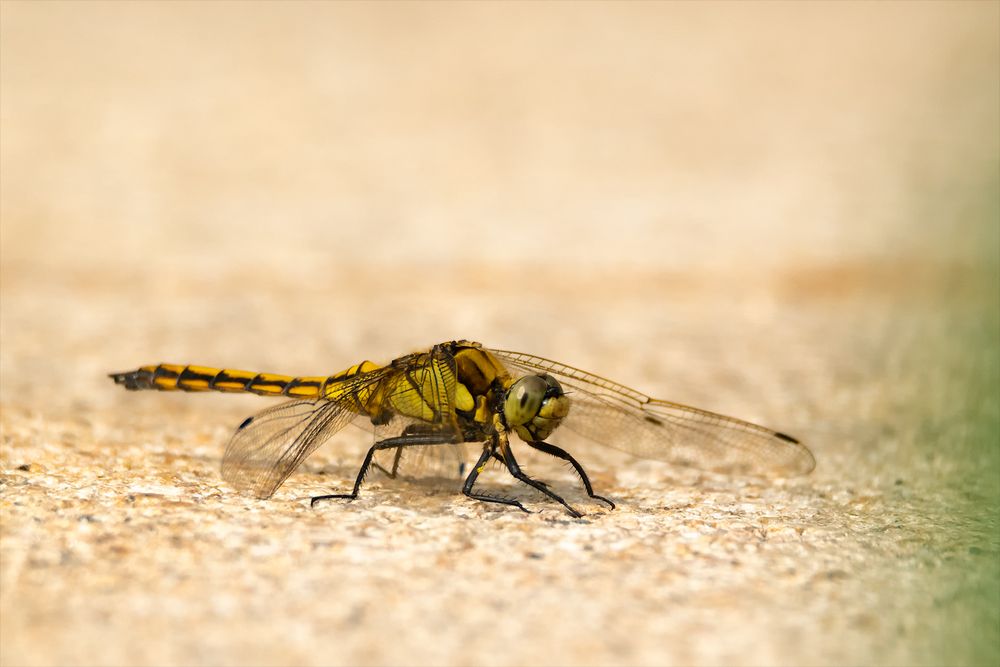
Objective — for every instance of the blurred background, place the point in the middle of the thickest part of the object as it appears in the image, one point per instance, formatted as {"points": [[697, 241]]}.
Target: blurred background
{"points": [[390, 175], [786, 212]]}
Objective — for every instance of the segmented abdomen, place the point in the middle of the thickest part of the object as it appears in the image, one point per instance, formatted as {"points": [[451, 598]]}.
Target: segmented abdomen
{"points": [[169, 377]]}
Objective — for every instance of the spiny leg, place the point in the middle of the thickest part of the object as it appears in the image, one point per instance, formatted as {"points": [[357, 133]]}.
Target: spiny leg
{"points": [[389, 443], [486, 498], [561, 453], [515, 470], [499, 457]]}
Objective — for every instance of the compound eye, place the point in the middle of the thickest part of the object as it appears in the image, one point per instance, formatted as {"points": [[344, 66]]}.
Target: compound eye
{"points": [[524, 400], [552, 386]]}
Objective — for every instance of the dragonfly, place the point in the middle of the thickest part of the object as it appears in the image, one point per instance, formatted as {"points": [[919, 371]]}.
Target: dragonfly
{"points": [[462, 392]]}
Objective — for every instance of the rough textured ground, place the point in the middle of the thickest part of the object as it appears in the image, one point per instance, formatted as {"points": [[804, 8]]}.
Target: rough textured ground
{"points": [[788, 215]]}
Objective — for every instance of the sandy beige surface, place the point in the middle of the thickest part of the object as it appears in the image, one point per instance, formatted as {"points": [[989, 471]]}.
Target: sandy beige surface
{"points": [[783, 213]]}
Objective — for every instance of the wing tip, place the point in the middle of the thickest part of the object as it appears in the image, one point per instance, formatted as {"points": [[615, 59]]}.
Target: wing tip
{"points": [[802, 461]]}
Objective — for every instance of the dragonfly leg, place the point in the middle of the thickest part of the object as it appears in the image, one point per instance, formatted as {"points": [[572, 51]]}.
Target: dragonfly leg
{"points": [[499, 457], [561, 453], [486, 498], [389, 443], [412, 429], [515, 470], [391, 474]]}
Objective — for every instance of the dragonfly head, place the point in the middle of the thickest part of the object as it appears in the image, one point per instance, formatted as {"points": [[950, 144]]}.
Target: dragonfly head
{"points": [[535, 406]]}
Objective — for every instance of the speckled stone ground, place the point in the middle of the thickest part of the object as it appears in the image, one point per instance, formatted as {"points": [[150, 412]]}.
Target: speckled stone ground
{"points": [[297, 189]]}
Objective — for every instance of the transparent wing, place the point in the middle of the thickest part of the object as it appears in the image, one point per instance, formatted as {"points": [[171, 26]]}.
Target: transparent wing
{"points": [[617, 416], [413, 395], [422, 387], [269, 446]]}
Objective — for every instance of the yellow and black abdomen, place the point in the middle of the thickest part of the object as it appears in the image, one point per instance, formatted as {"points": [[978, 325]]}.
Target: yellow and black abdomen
{"points": [[170, 377]]}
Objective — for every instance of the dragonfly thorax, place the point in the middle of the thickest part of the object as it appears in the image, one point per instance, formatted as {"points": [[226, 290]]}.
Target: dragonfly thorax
{"points": [[535, 405]]}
